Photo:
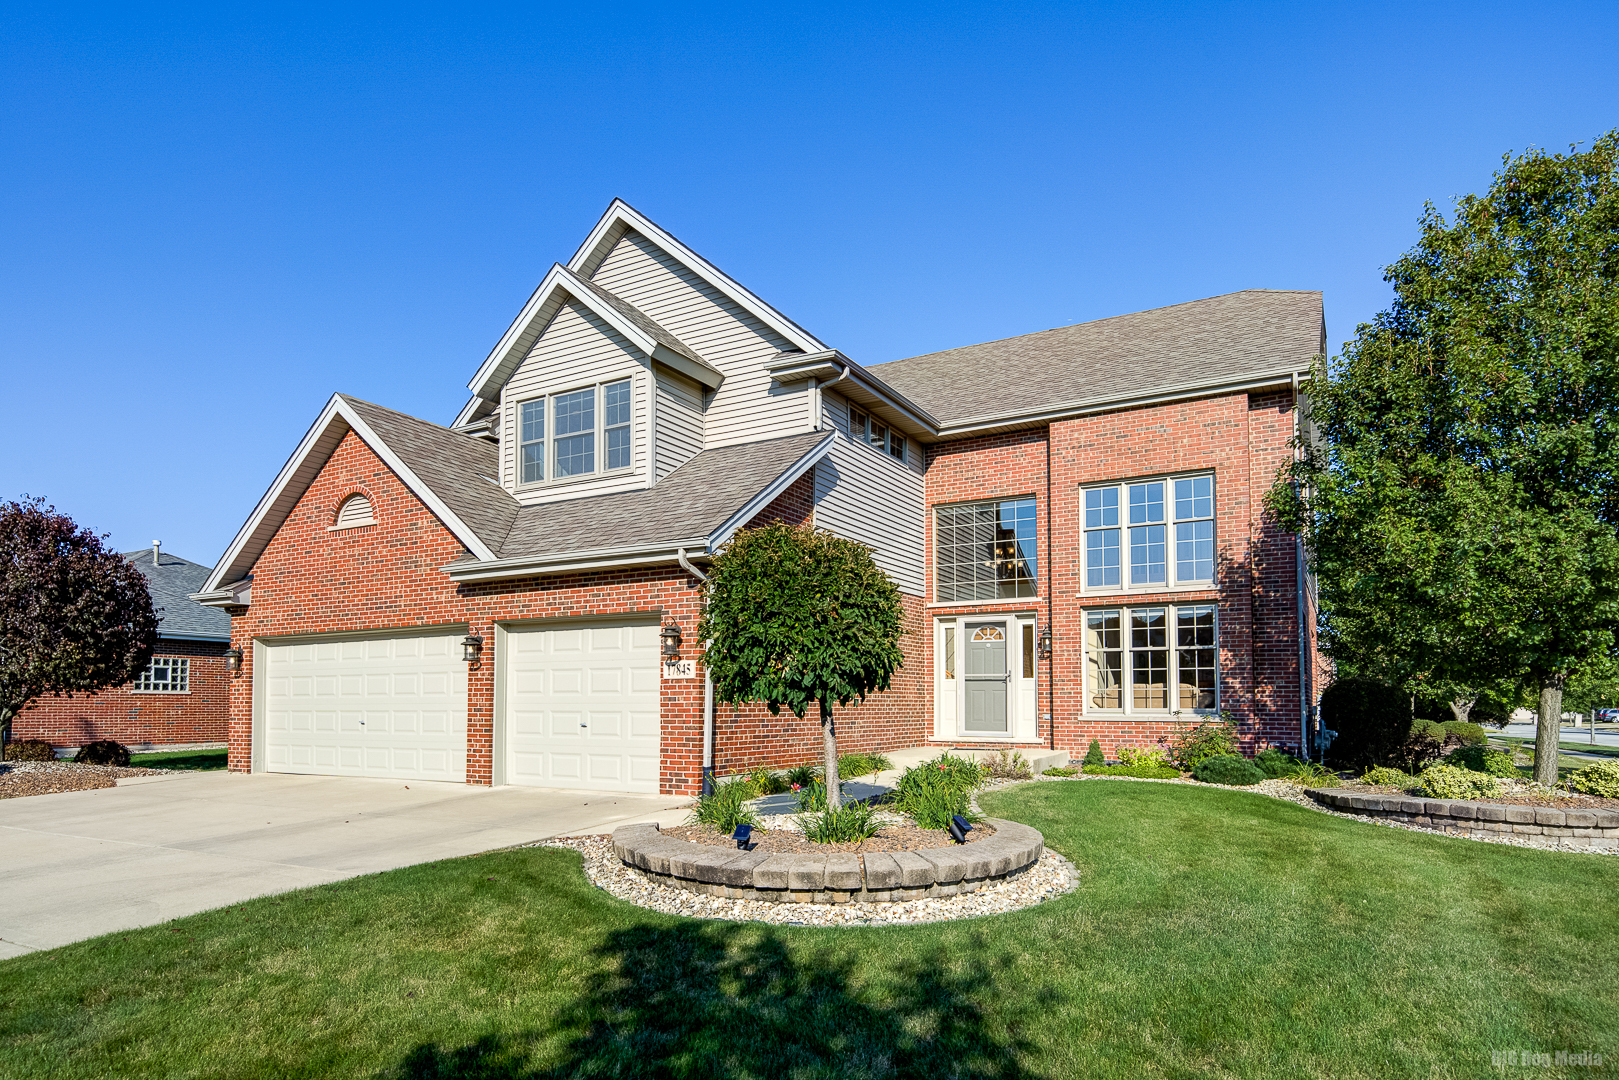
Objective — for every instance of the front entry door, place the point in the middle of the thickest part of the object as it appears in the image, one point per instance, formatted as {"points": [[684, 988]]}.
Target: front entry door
{"points": [[986, 678]]}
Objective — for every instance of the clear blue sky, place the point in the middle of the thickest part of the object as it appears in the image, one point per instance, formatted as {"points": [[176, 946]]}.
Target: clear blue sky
{"points": [[210, 220]]}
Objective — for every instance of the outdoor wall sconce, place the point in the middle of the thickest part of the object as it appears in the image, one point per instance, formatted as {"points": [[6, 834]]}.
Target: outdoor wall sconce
{"points": [[959, 828], [1045, 643], [471, 648], [233, 659], [670, 636]]}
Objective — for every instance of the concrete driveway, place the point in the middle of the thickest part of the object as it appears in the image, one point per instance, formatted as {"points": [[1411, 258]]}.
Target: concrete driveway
{"points": [[84, 863]]}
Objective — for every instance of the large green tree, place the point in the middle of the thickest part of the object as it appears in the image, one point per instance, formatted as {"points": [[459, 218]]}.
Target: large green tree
{"points": [[794, 617], [1460, 501], [74, 617]]}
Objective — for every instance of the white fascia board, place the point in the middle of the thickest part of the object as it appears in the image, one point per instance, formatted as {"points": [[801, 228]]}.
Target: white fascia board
{"points": [[571, 561], [977, 425], [621, 212], [767, 496], [835, 367], [558, 277], [468, 411], [337, 411], [700, 373]]}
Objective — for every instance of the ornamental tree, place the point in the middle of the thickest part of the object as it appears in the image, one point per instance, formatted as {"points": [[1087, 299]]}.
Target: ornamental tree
{"points": [[795, 617], [74, 617], [1461, 503]]}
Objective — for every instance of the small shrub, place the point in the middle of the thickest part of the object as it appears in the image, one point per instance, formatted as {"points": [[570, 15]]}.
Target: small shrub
{"points": [[1383, 776], [102, 752], [802, 776], [1275, 762], [1193, 744], [1372, 721], [1007, 765], [1138, 757], [1061, 771], [1601, 780], [1482, 759], [850, 765], [30, 750], [1232, 770], [1093, 756], [765, 782], [724, 809], [1141, 772], [1469, 733], [1450, 782], [849, 824], [1424, 742]]}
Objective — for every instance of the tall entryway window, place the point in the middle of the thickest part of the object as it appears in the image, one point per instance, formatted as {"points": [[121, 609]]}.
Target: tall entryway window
{"points": [[984, 678]]}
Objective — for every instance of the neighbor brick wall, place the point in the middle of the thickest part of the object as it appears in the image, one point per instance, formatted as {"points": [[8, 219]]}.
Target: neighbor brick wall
{"points": [[1244, 440], [389, 575], [131, 718]]}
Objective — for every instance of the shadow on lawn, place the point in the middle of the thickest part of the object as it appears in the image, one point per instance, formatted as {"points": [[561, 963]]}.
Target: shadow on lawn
{"points": [[717, 1000]]}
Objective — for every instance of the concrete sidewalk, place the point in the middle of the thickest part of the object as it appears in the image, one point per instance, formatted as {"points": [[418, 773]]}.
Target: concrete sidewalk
{"points": [[85, 863]]}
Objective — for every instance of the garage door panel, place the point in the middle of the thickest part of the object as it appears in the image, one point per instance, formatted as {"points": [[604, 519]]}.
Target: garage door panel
{"points": [[413, 720], [581, 707]]}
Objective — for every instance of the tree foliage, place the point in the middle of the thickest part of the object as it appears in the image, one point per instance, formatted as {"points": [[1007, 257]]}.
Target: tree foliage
{"points": [[796, 617], [1460, 503], [74, 617]]}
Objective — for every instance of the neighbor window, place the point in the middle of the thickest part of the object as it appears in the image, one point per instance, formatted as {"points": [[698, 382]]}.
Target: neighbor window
{"points": [[1135, 656], [165, 675], [576, 442], [863, 428], [1165, 537], [985, 551]]}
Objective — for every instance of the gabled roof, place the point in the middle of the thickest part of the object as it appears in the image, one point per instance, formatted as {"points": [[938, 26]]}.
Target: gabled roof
{"points": [[1253, 337], [171, 580]]}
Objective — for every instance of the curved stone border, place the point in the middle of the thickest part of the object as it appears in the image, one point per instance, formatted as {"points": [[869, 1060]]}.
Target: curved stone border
{"points": [[1596, 830], [834, 878]]}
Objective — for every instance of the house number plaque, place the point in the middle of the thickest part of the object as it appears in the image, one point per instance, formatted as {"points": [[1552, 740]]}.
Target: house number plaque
{"points": [[680, 669]]}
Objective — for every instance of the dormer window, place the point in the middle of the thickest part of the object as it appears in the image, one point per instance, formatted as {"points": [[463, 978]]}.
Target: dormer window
{"points": [[355, 511], [570, 438], [863, 428]]}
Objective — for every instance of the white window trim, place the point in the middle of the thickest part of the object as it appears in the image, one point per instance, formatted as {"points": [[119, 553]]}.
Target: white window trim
{"points": [[1170, 583], [598, 437], [1017, 684], [184, 662], [1087, 709], [891, 435]]}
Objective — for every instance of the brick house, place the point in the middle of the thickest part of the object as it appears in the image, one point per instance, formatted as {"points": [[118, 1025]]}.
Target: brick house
{"points": [[181, 700], [513, 599]]}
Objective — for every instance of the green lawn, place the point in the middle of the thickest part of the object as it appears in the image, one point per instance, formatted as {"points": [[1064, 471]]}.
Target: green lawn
{"points": [[190, 760], [1214, 933]]}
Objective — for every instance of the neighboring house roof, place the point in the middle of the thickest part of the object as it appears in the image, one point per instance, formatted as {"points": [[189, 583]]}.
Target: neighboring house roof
{"points": [[171, 581], [1241, 337]]}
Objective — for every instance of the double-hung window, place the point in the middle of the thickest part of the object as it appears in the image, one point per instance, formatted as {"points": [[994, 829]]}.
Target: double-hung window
{"points": [[1146, 533], [984, 551], [1151, 659], [165, 675], [574, 434], [863, 428]]}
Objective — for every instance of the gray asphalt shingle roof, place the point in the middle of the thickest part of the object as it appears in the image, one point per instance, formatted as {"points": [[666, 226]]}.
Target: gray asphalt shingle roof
{"points": [[171, 582], [1204, 342]]}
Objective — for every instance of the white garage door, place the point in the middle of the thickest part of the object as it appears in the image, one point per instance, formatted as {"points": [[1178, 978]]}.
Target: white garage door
{"points": [[582, 706], [368, 707]]}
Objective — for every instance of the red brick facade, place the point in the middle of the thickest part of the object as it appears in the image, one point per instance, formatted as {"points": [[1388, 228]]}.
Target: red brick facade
{"points": [[1243, 439], [389, 575], [140, 719]]}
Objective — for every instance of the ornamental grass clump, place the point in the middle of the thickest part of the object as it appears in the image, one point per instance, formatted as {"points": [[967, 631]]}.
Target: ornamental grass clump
{"points": [[1442, 781], [1008, 764], [932, 792], [850, 765], [1601, 780], [725, 809], [765, 782], [1232, 770], [802, 776], [810, 796], [850, 823]]}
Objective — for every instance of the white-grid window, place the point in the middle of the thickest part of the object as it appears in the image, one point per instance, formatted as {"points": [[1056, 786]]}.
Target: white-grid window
{"points": [[1152, 659], [1148, 533], [578, 433], [879, 436], [165, 675]]}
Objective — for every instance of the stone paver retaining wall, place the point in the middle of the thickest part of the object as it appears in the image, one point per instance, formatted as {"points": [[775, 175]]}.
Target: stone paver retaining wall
{"points": [[833, 878], [1595, 829]]}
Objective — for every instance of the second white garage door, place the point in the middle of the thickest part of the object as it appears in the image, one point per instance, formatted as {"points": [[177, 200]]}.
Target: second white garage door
{"points": [[378, 706], [582, 706]]}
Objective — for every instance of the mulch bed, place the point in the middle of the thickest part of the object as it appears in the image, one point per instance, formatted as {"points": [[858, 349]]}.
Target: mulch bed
{"points": [[891, 837], [21, 778]]}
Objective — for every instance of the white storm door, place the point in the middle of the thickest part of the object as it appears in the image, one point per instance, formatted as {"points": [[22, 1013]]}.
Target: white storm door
{"points": [[376, 706], [581, 706]]}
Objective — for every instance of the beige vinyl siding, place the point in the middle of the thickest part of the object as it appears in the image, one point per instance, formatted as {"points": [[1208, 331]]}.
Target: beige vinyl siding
{"points": [[748, 406], [866, 495], [576, 350], [679, 424]]}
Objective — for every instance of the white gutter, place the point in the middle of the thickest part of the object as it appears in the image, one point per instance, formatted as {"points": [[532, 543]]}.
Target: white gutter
{"points": [[708, 693], [568, 561]]}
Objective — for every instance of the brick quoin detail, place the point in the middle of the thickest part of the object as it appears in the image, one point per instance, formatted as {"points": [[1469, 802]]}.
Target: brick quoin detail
{"points": [[1244, 439], [137, 719], [390, 576]]}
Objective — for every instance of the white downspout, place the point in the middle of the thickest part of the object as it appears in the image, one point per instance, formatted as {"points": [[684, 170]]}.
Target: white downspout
{"points": [[1305, 666], [708, 694]]}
